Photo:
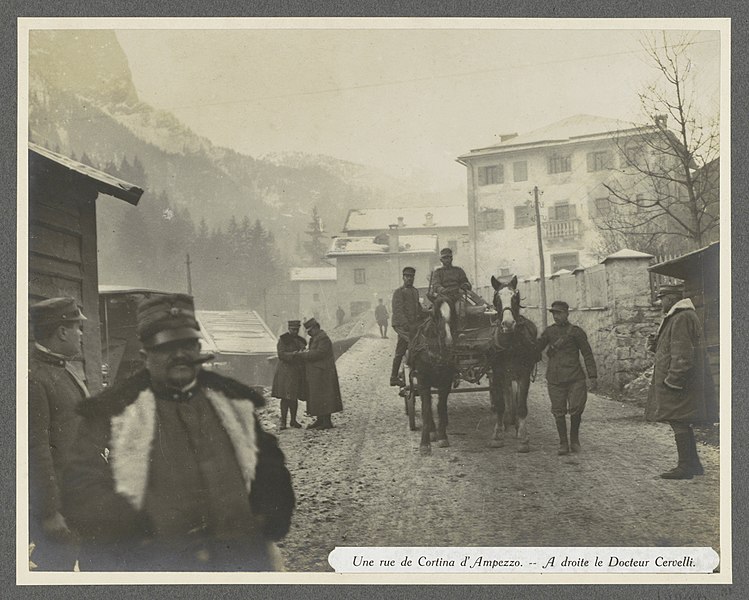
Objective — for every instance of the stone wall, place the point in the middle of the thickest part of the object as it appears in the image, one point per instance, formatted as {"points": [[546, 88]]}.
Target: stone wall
{"points": [[618, 329]]}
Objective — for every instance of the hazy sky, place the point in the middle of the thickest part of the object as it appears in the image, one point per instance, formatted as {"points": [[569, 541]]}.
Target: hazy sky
{"points": [[402, 100]]}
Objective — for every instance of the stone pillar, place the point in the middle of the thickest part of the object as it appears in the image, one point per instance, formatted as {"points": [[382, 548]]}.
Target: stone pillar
{"points": [[628, 283]]}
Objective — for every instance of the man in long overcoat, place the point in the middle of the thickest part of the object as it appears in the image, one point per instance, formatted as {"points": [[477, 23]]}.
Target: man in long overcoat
{"points": [[288, 382], [54, 394], [171, 470], [681, 391], [323, 391]]}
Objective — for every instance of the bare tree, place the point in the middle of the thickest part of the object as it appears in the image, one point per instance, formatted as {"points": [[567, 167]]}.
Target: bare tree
{"points": [[666, 194]]}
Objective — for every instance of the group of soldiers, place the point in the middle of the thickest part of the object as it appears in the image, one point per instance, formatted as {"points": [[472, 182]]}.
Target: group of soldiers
{"points": [[681, 392], [171, 470]]}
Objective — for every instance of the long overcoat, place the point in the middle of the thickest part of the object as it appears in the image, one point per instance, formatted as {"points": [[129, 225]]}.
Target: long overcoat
{"points": [[108, 489], [323, 391], [54, 394], [289, 380], [681, 389]]}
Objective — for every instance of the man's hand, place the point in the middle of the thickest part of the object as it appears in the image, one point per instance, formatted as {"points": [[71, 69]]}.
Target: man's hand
{"points": [[56, 528], [465, 286], [592, 384]]}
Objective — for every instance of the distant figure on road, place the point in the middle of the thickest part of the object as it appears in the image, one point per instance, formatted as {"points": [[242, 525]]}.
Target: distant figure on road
{"points": [[339, 315], [681, 392], [323, 391], [407, 315], [565, 377], [289, 381], [381, 316], [55, 392]]}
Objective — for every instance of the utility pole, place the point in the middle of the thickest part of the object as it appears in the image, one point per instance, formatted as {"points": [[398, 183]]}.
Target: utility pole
{"points": [[189, 276], [542, 268]]}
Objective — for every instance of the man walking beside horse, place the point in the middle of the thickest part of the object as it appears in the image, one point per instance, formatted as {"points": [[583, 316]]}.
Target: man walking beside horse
{"points": [[407, 316], [565, 377]]}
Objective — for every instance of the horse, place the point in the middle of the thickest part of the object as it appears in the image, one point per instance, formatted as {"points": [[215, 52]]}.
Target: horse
{"points": [[430, 356], [512, 356]]}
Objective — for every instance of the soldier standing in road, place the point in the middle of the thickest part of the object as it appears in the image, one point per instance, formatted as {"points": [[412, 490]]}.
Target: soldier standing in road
{"points": [[407, 315], [565, 377], [323, 390], [339, 315], [54, 394], [171, 470], [681, 392], [381, 316], [288, 382]]}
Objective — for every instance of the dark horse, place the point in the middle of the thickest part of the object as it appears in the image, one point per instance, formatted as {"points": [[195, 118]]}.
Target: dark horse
{"points": [[512, 356], [430, 356]]}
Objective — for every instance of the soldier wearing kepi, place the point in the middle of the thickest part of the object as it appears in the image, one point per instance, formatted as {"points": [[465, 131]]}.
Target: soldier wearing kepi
{"points": [[288, 382], [448, 280], [54, 394], [407, 315], [565, 377], [681, 392], [171, 470]]}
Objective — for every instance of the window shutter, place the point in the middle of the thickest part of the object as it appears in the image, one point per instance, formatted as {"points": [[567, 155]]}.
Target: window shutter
{"points": [[573, 211], [591, 161], [482, 175]]}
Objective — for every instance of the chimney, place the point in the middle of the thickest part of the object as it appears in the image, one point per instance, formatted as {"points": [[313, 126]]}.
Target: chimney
{"points": [[393, 241], [400, 221], [660, 121], [503, 137], [429, 220]]}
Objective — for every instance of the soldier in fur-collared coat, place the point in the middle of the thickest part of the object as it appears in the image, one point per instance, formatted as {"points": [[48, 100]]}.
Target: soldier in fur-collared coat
{"points": [[171, 470]]}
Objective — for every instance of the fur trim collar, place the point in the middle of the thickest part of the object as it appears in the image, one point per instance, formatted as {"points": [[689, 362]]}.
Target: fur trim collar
{"points": [[683, 304], [114, 401], [133, 433]]}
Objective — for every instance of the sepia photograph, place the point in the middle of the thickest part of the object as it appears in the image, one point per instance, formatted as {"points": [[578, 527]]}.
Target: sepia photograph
{"points": [[404, 300]]}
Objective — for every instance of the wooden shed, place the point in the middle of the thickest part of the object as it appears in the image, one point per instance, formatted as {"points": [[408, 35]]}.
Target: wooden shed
{"points": [[700, 271], [62, 239]]}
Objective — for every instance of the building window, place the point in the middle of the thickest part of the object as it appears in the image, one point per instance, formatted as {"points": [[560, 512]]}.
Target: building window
{"points": [[569, 261], [453, 245], [601, 207], [599, 161], [560, 163], [633, 155], [491, 175], [315, 297], [490, 219], [562, 211], [522, 216], [520, 171], [360, 276]]}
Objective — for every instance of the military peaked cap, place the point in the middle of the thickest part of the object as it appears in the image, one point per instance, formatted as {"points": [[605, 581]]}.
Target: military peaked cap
{"points": [[166, 318], [55, 310], [559, 306], [409, 271], [666, 289], [310, 323]]}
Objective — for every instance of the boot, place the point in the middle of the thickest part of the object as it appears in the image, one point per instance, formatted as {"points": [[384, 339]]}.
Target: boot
{"points": [[564, 447], [683, 469], [394, 379], [293, 410], [327, 422], [284, 413], [575, 433], [697, 468]]}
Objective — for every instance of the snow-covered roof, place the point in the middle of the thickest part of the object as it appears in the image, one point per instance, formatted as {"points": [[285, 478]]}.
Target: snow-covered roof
{"points": [[566, 130], [312, 274], [379, 219], [103, 182], [626, 253], [235, 332], [407, 244]]}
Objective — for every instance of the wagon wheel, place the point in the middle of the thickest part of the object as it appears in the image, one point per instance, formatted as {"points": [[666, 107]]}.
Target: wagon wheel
{"points": [[411, 401]]}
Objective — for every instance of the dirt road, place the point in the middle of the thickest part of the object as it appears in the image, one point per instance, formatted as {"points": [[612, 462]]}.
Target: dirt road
{"points": [[364, 483]]}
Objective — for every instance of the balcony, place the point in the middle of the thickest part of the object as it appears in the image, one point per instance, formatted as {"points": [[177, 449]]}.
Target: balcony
{"points": [[562, 229]]}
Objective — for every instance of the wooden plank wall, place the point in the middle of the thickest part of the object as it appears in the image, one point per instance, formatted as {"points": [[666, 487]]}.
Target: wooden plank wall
{"points": [[62, 252]]}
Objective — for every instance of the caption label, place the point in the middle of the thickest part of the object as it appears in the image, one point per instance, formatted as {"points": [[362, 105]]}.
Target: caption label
{"points": [[523, 560]]}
